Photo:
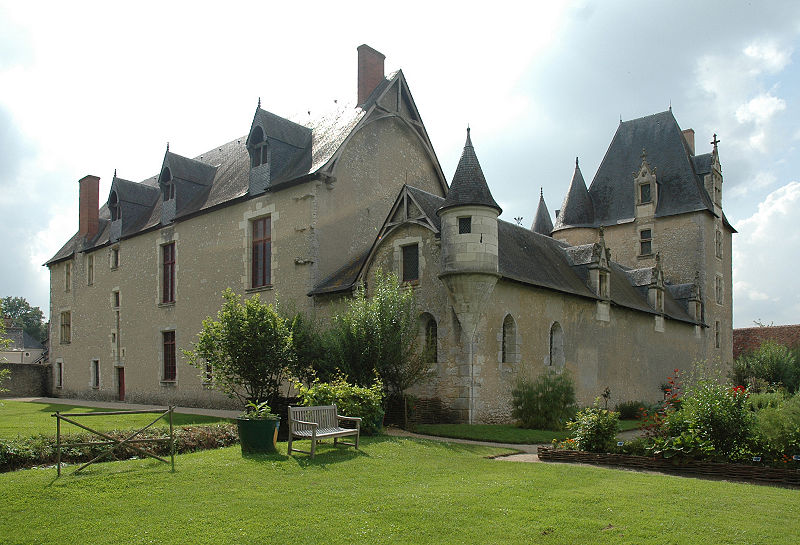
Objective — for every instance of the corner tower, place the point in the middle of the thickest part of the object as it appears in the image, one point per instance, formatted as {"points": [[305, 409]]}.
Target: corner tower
{"points": [[469, 256]]}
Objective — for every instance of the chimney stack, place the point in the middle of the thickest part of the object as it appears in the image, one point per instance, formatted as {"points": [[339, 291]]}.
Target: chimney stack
{"points": [[688, 135], [370, 71], [89, 206]]}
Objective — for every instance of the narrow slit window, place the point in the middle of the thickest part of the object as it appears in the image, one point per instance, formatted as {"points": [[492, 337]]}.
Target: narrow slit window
{"points": [[168, 273], [170, 371]]}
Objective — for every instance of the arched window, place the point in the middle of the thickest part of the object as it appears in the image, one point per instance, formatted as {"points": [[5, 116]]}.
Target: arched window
{"points": [[556, 345], [167, 185], [259, 150], [113, 206], [509, 341], [430, 332]]}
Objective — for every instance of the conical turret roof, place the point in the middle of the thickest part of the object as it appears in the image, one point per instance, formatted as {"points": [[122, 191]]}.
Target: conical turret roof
{"points": [[469, 184], [542, 223], [577, 209]]}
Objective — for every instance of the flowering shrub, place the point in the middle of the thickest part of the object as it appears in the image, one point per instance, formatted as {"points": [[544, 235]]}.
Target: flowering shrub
{"points": [[595, 429], [350, 400]]}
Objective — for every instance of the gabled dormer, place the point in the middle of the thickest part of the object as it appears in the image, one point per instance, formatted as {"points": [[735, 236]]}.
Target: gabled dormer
{"points": [[600, 268], [181, 182], [130, 206], [646, 189], [278, 150]]}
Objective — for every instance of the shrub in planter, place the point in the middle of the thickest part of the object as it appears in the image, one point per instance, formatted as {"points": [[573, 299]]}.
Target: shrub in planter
{"points": [[595, 429], [258, 428], [350, 400], [545, 402]]}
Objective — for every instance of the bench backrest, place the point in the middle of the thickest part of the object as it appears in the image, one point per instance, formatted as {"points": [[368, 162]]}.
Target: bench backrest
{"points": [[324, 415]]}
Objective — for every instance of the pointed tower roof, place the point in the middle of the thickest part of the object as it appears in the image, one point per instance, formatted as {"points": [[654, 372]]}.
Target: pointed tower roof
{"points": [[542, 223], [577, 209], [469, 184]]}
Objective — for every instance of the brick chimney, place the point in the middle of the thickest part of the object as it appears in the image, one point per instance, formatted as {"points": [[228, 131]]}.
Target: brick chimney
{"points": [[370, 71], [89, 206], [688, 135]]}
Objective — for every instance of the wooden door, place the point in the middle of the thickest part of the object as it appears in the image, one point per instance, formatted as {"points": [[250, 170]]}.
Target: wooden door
{"points": [[121, 383]]}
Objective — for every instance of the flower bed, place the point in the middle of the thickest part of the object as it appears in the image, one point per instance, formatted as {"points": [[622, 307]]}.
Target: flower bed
{"points": [[694, 467]]}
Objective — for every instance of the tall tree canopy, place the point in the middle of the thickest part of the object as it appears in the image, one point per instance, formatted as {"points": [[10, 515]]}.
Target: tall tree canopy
{"points": [[30, 319]]}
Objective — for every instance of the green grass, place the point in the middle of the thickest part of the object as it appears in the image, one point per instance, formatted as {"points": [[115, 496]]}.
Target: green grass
{"points": [[24, 419], [395, 490], [503, 433]]}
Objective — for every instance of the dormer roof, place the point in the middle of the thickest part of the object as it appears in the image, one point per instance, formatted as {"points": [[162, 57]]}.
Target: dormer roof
{"points": [[469, 185], [542, 223], [577, 209]]}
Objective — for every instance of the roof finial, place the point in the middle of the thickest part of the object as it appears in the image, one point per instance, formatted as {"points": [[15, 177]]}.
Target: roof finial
{"points": [[576, 162], [259, 102], [620, 119], [167, 146], [670, 105], [541, 192], [115, 175], [644, 154], [715, 141]]}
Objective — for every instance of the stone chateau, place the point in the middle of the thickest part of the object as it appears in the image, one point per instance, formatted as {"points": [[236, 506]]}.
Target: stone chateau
{"points": [[632, 280]]}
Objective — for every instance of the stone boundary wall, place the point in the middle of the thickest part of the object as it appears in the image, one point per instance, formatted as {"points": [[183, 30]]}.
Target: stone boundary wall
{"points": [[27, 380], [746, 339], [694, 467]]}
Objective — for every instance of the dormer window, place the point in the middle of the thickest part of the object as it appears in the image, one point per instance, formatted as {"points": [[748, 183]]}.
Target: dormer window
{"points": [[645, 242], [167, 184], [644, 194], [603, 283], [113, 206], [259, 150]]}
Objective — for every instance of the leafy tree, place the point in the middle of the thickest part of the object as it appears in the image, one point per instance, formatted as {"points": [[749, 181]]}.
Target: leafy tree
{"points": [[4, 342], [772, 363], [380, 333], [248, 349], [30, 319]]}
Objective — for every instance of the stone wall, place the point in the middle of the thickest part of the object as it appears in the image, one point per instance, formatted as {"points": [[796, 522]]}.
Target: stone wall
{"points": [[26, 380]]}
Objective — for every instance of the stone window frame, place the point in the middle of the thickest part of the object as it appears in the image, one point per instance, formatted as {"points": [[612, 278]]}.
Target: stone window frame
{"points": [[556, 356], [67, 276], [168, 261], [65, 324], [429, 330], [464, 225], [509, 340], [58, 371], [639, 189], [114, 257], [719, 290], [718, 242], [265, 245], [94, 373], [89, 269], [717, 334], [257, 211], [642, 240], [407, 275], [397, 248], [169, 356]]}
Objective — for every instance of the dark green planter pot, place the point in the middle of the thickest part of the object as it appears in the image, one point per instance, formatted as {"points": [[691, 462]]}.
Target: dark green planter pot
{"points": [[258, 436]]}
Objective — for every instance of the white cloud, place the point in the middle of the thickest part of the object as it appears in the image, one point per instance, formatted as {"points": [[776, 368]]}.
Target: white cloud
{"points": [[766, 256], [760, 109], [762, 180], [768, 56]]}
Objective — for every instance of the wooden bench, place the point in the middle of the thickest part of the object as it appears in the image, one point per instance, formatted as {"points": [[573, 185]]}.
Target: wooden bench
{"points": [[319, 422]]}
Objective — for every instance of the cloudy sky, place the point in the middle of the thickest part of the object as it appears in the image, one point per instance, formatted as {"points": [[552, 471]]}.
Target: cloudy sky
{"points": [[86, 88]]}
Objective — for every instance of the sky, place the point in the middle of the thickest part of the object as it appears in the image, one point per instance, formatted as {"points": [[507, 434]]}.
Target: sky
{"points": [[90, 87]]}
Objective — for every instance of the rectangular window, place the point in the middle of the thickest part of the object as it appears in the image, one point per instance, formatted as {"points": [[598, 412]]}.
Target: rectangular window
{"points": [[59, 374], [718, 243], [67, 276], [718, 290], [717, 333], [90, 269], [66, 327], [95, 374], [644, 193], [115, 299], [168, 274], [262, 253], [114, 258], [465, 225], [169, 373], [411, 263], [645, 242]]}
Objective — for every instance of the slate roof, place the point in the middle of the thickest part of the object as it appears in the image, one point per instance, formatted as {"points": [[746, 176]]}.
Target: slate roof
{"points": [[577, 209], [223, 172], [527, 257], [469, 185], [542, 223], [679, 187]]}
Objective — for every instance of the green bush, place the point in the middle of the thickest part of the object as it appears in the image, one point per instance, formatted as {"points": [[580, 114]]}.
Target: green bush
{"points": [[41, 449], [778, 427], [595, 429], [759, 401], [544, 403], [771, 363], [350, 400], [631, 410], [717, 414]]}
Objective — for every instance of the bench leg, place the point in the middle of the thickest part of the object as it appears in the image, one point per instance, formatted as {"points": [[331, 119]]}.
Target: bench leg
{"points": [[313, 443], [289, 451]]}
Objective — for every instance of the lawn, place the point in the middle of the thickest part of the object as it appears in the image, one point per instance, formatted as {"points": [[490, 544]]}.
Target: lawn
{"points": [[24, 419], [395, 490], [501, 433]]}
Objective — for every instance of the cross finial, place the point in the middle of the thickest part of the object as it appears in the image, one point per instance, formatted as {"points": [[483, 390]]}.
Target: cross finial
{"points": [[259, 102], [644, 154], [167, 145], [541, 192], [602, 233], [715, 141], [115, 174]]}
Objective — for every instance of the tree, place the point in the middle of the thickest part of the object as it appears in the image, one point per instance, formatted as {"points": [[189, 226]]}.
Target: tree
{"points": [[4, 343], [30, 319], [247, 349], [381, 334]]}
